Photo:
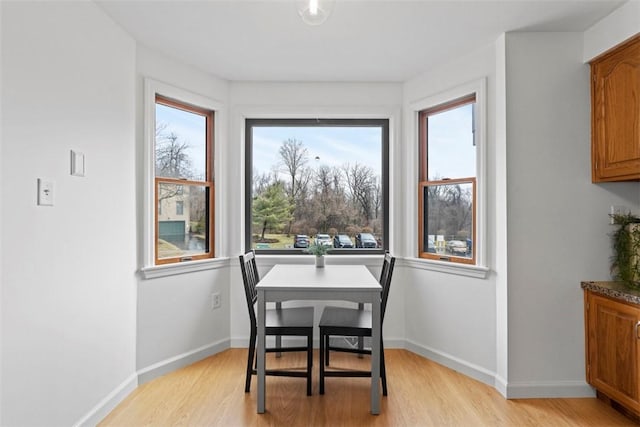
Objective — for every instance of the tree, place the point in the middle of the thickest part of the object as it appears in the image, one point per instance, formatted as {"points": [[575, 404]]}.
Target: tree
{"points": [[361, 183], [272, 208], [262, 181], [172, 160], [450, 209], [294, 158]]}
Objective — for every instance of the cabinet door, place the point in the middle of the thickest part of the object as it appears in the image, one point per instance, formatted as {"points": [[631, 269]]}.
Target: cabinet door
{"points": [[615, 109], [613, 365]]}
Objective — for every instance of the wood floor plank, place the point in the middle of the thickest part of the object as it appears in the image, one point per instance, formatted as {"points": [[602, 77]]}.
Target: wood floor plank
{"points": [[421, 393]]}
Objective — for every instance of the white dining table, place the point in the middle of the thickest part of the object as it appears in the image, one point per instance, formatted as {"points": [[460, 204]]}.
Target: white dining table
{"points": [[285, 282]]}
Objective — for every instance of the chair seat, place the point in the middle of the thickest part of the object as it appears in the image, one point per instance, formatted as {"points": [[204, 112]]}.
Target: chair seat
{"points": [[294, 317], [346, 318]]}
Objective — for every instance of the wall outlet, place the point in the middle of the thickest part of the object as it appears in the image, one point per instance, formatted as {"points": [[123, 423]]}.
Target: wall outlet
{"points": [[45, 192], [216, 300]]}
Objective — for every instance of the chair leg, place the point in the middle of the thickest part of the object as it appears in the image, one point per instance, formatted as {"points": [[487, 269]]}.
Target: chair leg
{"points": [[360, 339], [383, 370], [250, 357], [327, 343], [309, 362], [321, 352]]}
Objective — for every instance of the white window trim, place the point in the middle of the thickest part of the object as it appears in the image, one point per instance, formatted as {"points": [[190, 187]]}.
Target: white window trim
{"points": [[479, 87], [151, 88]]}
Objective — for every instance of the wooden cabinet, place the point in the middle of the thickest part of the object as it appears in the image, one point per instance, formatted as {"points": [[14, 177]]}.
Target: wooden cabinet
{"points": [[615, 114], [613, 349]]}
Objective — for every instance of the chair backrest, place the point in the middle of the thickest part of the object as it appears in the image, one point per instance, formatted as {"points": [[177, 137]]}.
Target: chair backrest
{"points": [[385, 280], [250, 278]]}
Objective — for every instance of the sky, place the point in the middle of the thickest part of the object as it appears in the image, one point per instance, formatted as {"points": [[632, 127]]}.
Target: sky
{"points": [[451, 150], [190, 128], [326, 146]]}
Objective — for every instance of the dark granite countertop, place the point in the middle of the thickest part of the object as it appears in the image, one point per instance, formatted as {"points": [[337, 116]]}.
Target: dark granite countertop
{"points": [[617, 290]]}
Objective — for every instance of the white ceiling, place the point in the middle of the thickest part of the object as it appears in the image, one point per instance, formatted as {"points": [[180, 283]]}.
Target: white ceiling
{"points": [[365, 41]]}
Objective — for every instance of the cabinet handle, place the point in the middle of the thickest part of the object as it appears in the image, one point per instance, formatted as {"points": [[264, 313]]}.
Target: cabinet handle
{"points": [[638, 330]]}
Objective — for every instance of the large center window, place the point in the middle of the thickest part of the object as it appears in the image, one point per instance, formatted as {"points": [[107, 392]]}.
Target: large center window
{"points": [[319, 181]]}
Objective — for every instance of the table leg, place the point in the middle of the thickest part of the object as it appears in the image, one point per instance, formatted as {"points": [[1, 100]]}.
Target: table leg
{"points": [[375, 354], [278, 337], [261, 351]]}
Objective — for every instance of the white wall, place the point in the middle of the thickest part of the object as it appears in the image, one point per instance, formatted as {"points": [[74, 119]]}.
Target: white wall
{"points": [[557, 219], [68, 285], [175, 322]]}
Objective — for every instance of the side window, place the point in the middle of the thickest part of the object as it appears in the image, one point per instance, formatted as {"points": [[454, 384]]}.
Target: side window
{"points": [[183, 181], [320, 181], [447, 181]]}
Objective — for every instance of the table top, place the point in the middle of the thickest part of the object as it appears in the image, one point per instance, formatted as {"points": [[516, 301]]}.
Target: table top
{"points": [[330, 277]]}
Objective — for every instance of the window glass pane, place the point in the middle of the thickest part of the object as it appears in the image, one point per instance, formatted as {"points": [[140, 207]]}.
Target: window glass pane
{"points": [[448, 219], [180, 144], [183, 220], [451, 146], [317, 184]]}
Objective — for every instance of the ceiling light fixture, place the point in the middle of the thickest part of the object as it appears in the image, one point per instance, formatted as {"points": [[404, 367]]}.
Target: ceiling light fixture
{"points": [[314, 12]]}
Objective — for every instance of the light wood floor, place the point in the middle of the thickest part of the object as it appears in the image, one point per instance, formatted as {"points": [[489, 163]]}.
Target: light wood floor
{"points": [[421, 393]]}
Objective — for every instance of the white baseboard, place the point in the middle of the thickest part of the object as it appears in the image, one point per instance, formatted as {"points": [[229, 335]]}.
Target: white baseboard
{"points": [[458, 365], [510, 390], [548, 389], [169, 365], [500, 384], [106, 405]]}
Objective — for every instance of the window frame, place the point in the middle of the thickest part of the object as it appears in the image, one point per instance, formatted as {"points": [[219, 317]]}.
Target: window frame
{"points": [[207, 183], [150, 267], [352, 121], [455, 97]]}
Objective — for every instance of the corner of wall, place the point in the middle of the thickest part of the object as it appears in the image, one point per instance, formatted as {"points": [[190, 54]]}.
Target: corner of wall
{"points": [[612, 30]]}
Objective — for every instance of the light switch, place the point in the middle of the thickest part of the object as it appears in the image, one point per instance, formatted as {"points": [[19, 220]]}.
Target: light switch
{"points": [[77, 163], [45, 192]]}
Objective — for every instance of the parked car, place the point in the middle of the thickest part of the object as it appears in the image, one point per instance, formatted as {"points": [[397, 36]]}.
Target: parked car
{"points": [[342, 241], [323, 239], [366, 240], [301, 241], [457, 247]]}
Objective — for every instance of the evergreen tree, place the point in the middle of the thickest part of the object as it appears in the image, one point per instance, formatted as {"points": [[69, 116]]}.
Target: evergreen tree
{"points": [[272, 209]]}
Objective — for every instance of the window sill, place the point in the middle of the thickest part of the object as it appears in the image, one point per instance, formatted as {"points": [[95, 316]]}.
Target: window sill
{"points": [[478, 272], [157, 271]]}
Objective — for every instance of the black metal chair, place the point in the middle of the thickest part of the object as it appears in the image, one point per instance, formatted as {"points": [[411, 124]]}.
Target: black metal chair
{"points": [[296, 321], [353, 322]]}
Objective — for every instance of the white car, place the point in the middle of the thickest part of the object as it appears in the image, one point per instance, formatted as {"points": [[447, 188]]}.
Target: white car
{"points": [[324, 240], [457, 247]]}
